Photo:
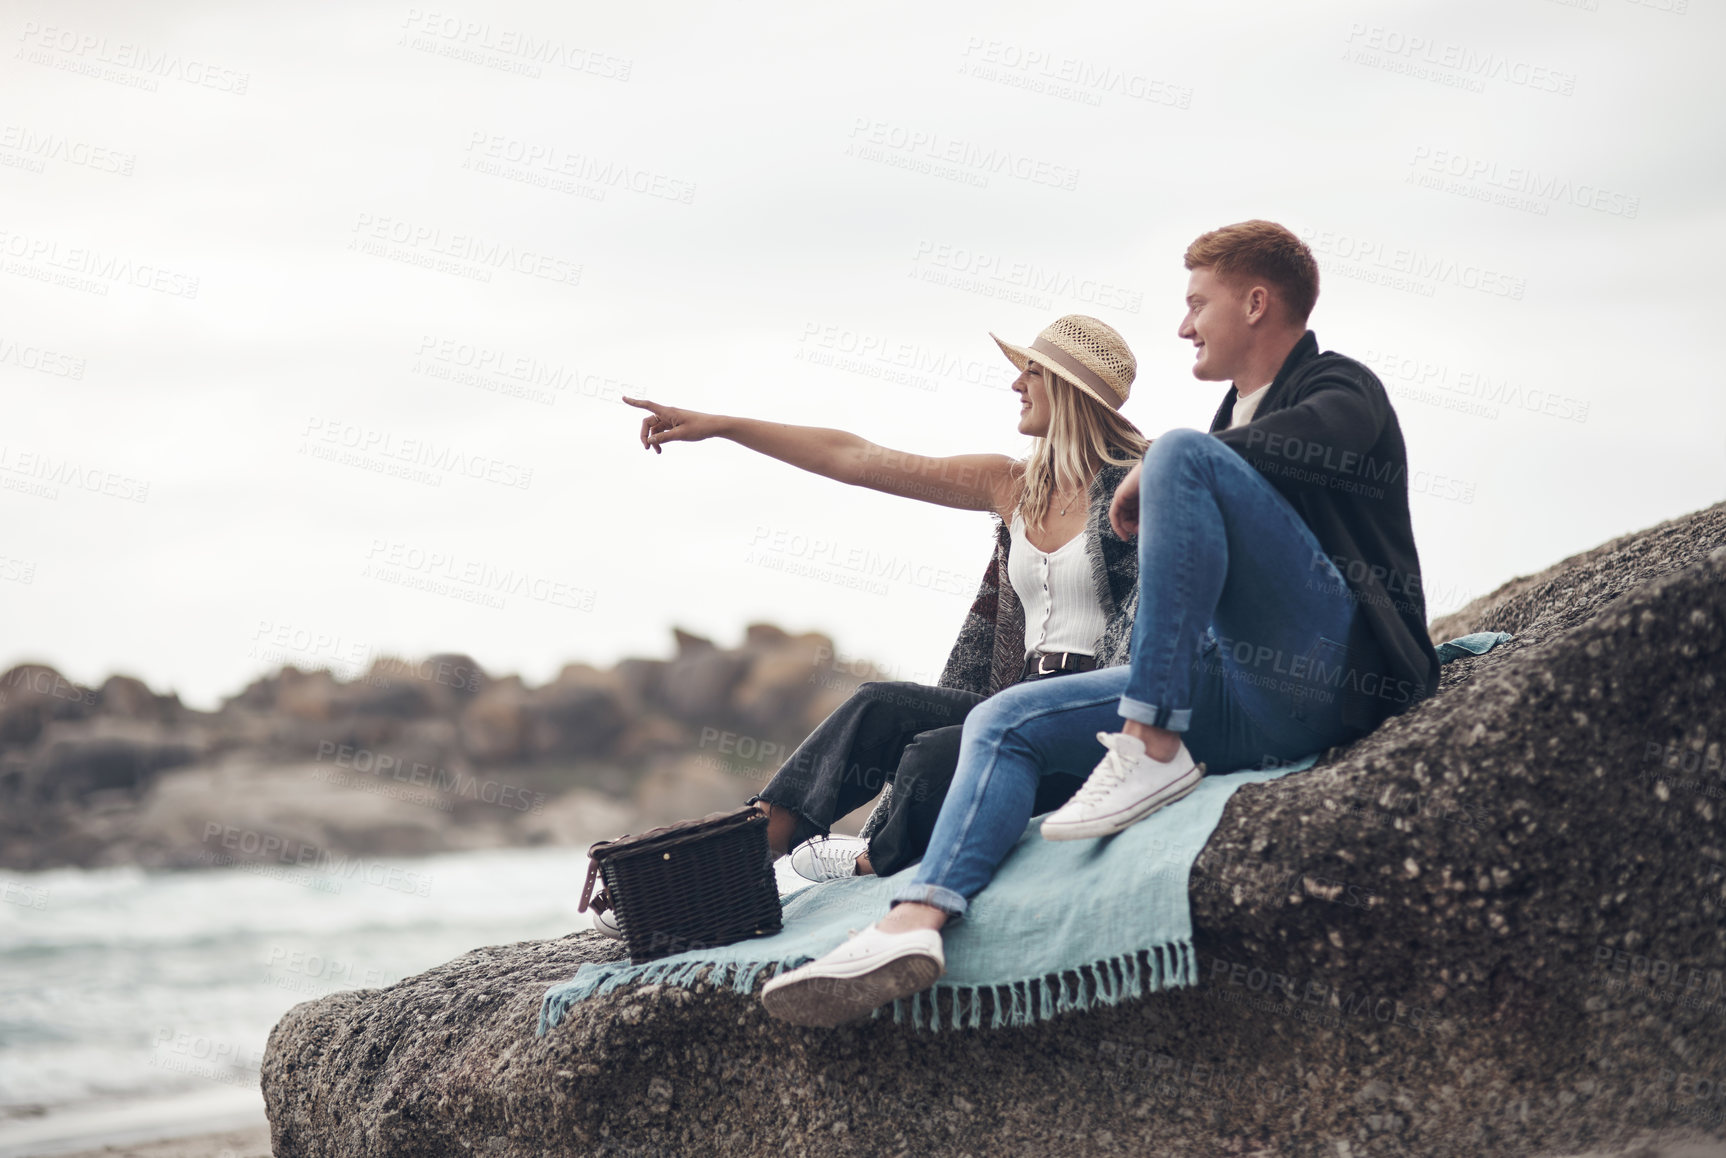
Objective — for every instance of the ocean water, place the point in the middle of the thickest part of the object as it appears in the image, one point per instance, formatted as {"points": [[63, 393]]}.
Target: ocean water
{"points": [[137, 1004]]}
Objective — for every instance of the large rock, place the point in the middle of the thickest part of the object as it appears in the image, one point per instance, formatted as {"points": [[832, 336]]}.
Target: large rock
{"points": [[34, 694], [76, 769], [580, 714], [1493, 927]]}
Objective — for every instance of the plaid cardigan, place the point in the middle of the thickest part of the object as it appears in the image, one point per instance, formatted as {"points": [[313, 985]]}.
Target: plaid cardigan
{"points": [[990, 652]]}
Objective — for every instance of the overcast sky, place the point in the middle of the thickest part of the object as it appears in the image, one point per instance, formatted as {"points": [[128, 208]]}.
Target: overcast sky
{"points": [[313, 317]]}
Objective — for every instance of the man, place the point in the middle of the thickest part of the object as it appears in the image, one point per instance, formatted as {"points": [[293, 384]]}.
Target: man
{"points": [[1280, 612]]}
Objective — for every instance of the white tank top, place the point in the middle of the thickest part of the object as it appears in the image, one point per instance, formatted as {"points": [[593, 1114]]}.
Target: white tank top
{"points": [[1059, 597]]}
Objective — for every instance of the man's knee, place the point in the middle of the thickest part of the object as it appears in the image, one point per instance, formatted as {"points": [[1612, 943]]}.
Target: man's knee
{"points": [[1178, 446]]}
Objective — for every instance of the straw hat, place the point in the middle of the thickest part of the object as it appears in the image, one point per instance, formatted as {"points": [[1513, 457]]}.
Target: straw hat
{"points": [[1088, 353]]}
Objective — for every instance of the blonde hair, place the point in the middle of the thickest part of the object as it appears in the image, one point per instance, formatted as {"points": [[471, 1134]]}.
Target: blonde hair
{"points": [[1083, 435]]}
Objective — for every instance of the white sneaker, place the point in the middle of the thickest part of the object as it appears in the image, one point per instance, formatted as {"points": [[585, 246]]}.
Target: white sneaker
{"points": [[606, 923], [1126, 787], [866, 972], [827, 858]]}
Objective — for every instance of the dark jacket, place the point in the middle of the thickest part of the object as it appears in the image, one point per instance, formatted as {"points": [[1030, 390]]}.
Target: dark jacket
{"points": [[990, 652], [1325, 435]]}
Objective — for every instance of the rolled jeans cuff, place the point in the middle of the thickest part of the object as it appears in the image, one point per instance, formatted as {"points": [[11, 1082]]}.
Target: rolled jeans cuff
{"points": [[942, 898], [1175, 720]]}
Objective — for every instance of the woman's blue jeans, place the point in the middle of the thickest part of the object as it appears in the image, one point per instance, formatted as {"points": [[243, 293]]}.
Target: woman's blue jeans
{"points": [[1240, 643]]}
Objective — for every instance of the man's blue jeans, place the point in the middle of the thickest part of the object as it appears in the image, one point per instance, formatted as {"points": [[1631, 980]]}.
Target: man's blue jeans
{"points": [[1240, 642]]}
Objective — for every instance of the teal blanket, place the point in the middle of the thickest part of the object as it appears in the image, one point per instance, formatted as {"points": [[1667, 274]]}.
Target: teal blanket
{"points": [[1062, 926]]}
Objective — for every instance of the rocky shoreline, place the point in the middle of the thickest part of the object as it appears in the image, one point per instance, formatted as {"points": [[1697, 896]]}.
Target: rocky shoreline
{"points": [[404, 759], [1538, 969]]}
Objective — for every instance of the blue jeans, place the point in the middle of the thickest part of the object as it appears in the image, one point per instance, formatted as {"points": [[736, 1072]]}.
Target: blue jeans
{"points": [[1240, 643]]}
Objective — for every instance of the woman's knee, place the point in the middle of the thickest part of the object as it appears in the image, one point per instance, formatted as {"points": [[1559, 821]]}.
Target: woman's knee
{"points": [[889, 692]]}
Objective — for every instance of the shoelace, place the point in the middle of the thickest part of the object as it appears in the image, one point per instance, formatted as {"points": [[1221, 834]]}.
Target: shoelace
{"points": [[833, 862], [1108, 774]]}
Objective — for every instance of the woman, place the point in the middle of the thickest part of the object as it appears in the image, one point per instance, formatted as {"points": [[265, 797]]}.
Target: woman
{"points": [[1045, 607]]}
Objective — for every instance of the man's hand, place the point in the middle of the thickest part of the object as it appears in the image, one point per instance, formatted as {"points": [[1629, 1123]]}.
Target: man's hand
{"points": [[1124, 509]]}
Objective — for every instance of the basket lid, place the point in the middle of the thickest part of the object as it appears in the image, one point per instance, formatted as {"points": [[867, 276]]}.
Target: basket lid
{"points": [[682, 832]]}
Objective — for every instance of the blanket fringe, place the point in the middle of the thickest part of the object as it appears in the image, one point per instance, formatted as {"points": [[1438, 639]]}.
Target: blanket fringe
{"points": [[1109, 981]]}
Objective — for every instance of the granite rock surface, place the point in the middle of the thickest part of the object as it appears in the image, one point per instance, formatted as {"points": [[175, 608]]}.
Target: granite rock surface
{"points": [[1495, 926]]}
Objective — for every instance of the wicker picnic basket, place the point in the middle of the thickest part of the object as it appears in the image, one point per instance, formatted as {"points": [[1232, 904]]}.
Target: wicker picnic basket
{"points": [[695, 884]]}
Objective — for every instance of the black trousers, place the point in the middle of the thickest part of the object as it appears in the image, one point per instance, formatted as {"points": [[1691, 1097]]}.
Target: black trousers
{"points": [[906, 734]]}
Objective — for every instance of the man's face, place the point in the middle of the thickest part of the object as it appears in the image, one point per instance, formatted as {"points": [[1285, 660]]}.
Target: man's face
{"points": [[1216, 325]]}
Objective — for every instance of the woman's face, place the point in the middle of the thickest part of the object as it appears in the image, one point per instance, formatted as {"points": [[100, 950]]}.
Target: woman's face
{"points": [[1033, 401]]}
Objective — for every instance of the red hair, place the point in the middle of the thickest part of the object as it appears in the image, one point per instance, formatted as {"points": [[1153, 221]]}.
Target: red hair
{"points": [[1261, 251]]}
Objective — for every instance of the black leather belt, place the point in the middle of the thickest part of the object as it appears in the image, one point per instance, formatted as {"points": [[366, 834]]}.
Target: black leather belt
{"points": [[1039, 664]]}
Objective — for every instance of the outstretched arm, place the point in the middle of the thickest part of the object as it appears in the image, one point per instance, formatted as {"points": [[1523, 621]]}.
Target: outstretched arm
{"points": [[972, 482]]}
